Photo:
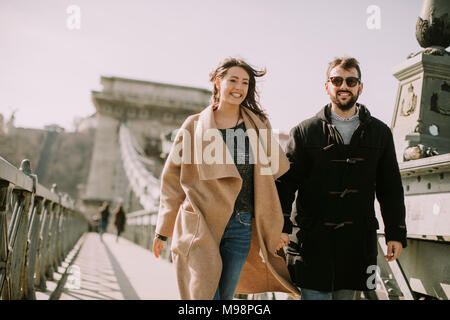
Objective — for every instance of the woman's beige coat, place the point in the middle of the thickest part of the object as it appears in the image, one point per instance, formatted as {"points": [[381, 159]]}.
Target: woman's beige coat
{"points": [[197, 200]]}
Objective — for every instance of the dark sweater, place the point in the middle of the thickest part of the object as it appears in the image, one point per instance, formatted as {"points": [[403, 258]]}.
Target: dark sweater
{"points": [[238, 144]]}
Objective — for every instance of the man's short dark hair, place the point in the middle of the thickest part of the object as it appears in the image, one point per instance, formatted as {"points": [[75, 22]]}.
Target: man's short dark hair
{"points": [[345, 62]]}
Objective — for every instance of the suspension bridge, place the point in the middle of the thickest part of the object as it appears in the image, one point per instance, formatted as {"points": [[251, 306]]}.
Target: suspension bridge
{"points": [[49, 249], [49, 252]]}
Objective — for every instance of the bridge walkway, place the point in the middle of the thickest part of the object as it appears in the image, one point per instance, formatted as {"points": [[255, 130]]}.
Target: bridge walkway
{"points": [[118, 270]]}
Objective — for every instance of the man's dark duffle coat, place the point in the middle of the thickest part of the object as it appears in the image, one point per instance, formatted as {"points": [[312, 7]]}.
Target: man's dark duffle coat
{"points": [[334, 208]]}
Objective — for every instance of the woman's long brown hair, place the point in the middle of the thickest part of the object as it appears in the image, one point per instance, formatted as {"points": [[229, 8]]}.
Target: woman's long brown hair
{"points": [[251, 101]]}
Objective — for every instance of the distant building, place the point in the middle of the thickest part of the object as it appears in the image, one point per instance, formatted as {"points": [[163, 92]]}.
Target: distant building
{"points": [[54, 128]]}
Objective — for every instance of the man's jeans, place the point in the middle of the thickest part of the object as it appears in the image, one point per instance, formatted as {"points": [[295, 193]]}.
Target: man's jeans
{"points": [[308, 294], [234, 248]]}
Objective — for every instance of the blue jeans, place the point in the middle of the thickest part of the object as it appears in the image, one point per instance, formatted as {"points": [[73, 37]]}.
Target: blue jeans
{"points": [[234, 249], [102, 227], [308, 294]]}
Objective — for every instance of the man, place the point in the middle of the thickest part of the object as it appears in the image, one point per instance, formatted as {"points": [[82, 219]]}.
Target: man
{"points": [[340, 159]]}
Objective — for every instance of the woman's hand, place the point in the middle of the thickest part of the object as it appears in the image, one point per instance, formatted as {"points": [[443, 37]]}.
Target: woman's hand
{"points": [[284, 241], [158, 245]]}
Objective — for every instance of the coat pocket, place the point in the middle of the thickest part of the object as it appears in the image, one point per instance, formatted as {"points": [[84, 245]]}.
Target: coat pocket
{"points": [[185, 231]]}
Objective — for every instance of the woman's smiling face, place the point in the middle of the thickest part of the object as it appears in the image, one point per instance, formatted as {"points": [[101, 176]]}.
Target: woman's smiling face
{"points": [[233, 87]]}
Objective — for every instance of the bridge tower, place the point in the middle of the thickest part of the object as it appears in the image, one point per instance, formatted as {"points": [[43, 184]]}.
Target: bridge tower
{"points": [[150, 110], [422, 108], [421, 130]]}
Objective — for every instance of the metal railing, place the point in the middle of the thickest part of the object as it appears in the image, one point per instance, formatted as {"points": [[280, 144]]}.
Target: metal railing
{"points": [[38, 228]]}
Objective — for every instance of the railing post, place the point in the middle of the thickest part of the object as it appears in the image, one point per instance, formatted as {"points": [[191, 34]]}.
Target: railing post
{"points": [[43, 246], [65, 230], [67, 233], [55, 239], [17, 241], [60, 238], [53, 234], [33, 248], [4, 191]]}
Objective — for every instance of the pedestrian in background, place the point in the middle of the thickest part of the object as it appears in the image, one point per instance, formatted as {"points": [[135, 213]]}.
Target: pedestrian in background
{"points": [[104, 217], [119, 220]]}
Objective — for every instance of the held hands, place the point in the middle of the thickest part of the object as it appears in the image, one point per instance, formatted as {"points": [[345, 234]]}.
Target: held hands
{"points": [[158, 245], [394, 248], [284, 241]]}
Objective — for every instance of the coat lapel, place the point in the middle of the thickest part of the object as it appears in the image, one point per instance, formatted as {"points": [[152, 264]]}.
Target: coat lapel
{"points": [[270, 158], [208, 137]]}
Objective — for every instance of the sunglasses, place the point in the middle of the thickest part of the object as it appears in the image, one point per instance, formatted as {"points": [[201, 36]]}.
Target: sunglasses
{"points": [[350, 81]]}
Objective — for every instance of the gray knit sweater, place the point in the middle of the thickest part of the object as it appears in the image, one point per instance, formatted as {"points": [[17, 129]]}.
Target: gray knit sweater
{"points": [[346, 127]]}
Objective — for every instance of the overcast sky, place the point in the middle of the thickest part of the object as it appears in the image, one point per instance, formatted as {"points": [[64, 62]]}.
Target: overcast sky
{"points": [[47, 71]]}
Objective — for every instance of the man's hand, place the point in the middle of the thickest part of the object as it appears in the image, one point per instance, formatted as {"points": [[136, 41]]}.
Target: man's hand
{"points": [[284, 241], [394, 248], [158, 245]]}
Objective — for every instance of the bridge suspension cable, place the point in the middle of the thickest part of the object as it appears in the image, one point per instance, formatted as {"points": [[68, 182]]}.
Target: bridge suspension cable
{"points": [[143, 183]]}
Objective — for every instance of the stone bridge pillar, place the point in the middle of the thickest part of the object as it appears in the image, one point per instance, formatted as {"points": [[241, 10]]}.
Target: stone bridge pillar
{"points": [[422, 109], [149, 109]]}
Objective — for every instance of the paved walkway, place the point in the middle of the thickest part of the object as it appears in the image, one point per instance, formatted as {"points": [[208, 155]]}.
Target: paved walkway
{"points": [[122, 270]]}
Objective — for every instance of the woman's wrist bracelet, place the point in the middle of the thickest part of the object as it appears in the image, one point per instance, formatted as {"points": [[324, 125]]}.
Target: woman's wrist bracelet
{"points": [[163, 238]]}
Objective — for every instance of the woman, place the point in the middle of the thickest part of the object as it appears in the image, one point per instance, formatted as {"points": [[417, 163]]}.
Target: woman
{"points": [[219, 202], [119, 220]]}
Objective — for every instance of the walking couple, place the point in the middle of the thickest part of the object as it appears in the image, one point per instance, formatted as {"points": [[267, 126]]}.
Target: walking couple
{"points": [[229, 222]]}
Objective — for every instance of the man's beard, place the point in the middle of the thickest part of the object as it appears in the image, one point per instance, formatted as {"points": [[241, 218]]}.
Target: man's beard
{"points": [[346, 106]]}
